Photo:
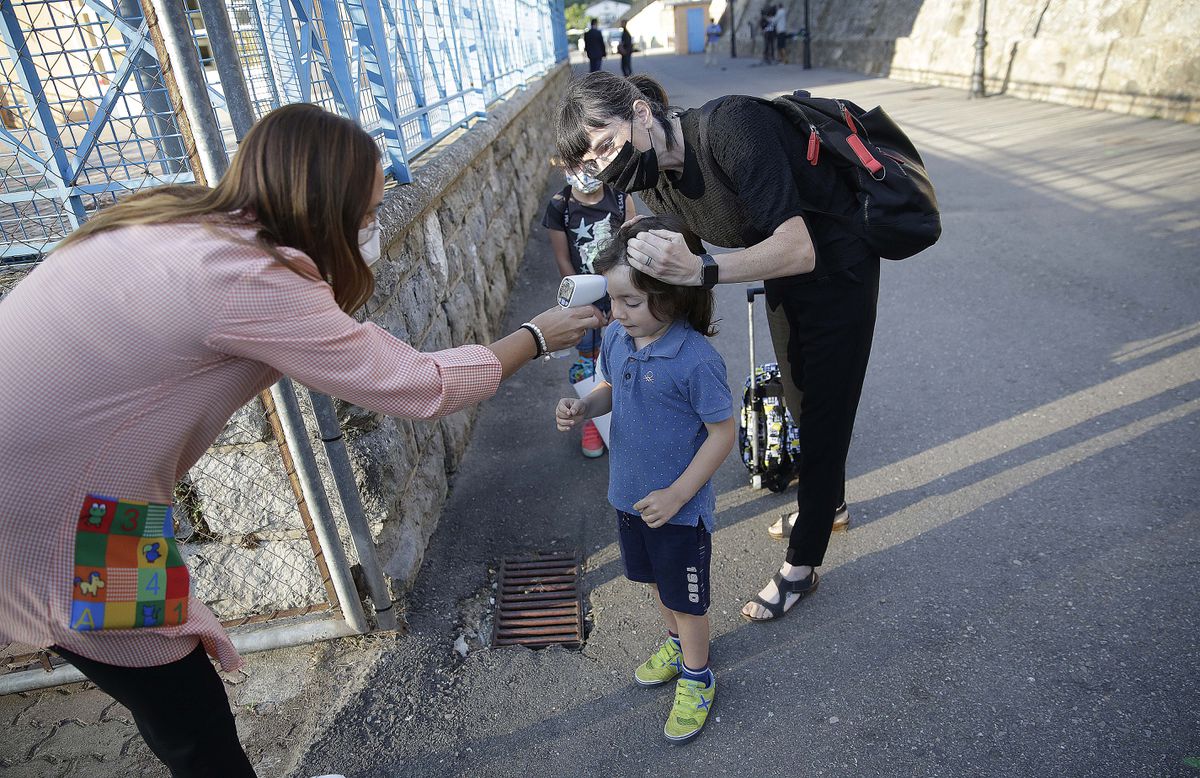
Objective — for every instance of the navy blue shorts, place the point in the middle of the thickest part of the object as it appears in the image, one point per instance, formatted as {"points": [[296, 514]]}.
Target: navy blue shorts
{"points": [[673, 556]]}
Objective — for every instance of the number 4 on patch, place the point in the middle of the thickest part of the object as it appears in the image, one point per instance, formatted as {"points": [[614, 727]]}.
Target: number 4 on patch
{"points": [[152, 584]]}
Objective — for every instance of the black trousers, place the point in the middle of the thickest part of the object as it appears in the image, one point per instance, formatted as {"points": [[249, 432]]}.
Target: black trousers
{"points": [[825, 331], [768, 47], [627, 65], [180, 708], [594, 63]]}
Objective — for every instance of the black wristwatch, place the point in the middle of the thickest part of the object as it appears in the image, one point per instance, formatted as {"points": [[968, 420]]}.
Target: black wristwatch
{"points": [[709, 271]]}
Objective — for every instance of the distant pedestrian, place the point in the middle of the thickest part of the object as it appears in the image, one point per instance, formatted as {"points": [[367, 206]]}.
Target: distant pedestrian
{"points": [[185, 303], [582, 218], [768, 28], [781, 34], [711, 36], [672, 427], [625, 49], [594, 46]]}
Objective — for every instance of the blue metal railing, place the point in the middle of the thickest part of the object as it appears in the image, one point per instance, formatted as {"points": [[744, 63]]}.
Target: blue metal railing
{"points": [[84, 115]]}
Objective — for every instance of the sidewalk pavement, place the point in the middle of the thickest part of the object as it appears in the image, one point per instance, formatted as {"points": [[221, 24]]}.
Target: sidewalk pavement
{"points": [[1017, 594]]}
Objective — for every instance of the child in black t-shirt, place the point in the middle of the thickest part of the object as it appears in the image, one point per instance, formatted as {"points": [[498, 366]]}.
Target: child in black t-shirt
{"points": [[581, 218]]}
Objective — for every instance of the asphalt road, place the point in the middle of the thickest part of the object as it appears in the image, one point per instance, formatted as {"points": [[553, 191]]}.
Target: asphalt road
{"points": [[1018, 593]]}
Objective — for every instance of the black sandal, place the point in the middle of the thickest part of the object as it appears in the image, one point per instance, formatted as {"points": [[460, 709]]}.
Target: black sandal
{"points": [[803, 587]]}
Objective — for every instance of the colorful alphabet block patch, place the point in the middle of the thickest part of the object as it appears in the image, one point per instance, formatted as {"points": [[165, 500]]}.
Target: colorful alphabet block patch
{"points": [[128, 570]]}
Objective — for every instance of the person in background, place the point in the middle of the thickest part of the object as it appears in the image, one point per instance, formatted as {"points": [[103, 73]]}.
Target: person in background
{"points": [[768, 28], [582, 218], [594, 46], [672, 427], [781, 34], [711, 36], [625, 49], [140, 335]]}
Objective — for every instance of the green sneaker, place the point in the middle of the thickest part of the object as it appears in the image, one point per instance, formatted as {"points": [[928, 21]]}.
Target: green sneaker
{"points": [[693, 701], [662, 667]]}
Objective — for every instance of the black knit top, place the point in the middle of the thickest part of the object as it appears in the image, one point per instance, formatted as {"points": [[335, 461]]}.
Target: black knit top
{"points": [[764, 179]]}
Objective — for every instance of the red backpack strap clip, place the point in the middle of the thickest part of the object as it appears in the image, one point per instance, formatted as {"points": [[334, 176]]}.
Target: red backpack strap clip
{"points": [[855, 142]]}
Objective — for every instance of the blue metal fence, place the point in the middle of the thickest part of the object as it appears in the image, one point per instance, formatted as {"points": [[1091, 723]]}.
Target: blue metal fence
{"points": [[84, 115]]}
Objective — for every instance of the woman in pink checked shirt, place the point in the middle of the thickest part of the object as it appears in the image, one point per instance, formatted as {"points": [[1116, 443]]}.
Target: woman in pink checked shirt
{"points": [[131, 346]]}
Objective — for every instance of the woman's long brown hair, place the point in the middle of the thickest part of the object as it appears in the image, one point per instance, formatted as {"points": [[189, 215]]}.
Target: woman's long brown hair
{"points": [[303, 174]]}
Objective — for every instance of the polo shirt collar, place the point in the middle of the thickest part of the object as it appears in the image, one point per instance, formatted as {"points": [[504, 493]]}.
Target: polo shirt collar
{"points": [[666, 346]]}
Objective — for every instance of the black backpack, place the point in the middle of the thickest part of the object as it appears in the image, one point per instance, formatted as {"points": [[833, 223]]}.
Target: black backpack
{"points": [[898, 213]]}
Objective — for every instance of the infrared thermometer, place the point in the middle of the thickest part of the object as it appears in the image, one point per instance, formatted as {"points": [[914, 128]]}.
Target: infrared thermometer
{"points": [[576, 292]]}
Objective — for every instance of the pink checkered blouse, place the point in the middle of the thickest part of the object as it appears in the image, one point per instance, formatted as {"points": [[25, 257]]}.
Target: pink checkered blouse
{"points": [[121, 359]]}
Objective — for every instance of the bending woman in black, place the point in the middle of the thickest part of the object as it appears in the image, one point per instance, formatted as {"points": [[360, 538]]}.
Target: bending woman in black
{"points": [[737, 173]]}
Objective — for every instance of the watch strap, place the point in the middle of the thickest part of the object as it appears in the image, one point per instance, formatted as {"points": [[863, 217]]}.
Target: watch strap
{"points": [[709, 271]]}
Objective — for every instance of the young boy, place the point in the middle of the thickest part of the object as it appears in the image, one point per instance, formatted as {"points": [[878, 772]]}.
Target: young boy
{"points": [[581, 218], [672, 427]]}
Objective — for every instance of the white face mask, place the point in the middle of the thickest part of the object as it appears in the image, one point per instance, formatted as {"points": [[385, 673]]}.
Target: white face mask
{"points": [[368, 244], [584, 182]]}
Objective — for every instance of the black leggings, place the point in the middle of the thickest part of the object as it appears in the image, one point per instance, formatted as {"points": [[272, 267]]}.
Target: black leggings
{"points": [[829, 327], [181, 710]]}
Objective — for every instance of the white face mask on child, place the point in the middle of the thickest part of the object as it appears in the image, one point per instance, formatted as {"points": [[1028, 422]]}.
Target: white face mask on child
{"points": [[583, 182], [368, 244]]}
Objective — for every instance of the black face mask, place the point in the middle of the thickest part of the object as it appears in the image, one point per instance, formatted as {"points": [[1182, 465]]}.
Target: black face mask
{"points": [[632, 170]]}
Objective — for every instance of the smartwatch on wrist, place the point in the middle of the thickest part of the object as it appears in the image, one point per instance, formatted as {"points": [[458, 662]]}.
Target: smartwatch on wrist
{"points": [[709, 271]]}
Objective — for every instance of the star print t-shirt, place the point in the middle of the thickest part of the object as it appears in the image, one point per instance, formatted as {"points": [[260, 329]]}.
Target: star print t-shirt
{"points": [[588, 227]]}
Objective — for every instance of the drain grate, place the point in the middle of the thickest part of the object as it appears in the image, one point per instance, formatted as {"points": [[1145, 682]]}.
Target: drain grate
{"points": [[538, 602]]}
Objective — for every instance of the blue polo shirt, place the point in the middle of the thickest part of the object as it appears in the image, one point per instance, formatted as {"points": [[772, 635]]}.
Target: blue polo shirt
{"points": [[662, 397]]}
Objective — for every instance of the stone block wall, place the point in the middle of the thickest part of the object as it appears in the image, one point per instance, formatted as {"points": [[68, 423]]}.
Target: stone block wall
{"points": [[453, 244], [1131, 56]]}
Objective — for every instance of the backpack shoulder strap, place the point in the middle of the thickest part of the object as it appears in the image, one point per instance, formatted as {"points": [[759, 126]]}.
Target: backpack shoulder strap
{"points": [[706, 112], [566, 196]]}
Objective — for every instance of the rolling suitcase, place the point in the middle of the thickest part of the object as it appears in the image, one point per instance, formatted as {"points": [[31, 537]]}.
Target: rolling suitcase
{"points": [[768, 436]]}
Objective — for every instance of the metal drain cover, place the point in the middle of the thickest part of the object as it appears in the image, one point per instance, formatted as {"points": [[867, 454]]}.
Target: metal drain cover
{"points": [[538, 601]]}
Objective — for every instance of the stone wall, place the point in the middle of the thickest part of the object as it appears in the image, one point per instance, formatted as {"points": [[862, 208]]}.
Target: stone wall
{"points": [[453, 241], [1131, 56]]}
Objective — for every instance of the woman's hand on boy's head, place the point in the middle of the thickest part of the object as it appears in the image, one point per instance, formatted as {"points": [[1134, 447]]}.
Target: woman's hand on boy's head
{"points": [[569, 412], [664, 255]]}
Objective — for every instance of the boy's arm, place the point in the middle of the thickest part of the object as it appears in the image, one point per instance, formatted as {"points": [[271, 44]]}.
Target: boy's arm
{"points": [[599, 401], [562, 252], [630, 208], [659, 507]]}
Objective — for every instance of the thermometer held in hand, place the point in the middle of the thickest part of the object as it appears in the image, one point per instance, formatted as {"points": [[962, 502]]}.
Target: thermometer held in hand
{"points": [[576, 292]]}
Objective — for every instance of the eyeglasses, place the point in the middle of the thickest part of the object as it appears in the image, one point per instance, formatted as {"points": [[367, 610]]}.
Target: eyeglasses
{"points": [[592, 167]]}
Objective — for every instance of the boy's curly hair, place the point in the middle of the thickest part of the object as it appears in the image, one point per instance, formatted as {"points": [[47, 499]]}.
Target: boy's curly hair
{"points": [[667, 302]]}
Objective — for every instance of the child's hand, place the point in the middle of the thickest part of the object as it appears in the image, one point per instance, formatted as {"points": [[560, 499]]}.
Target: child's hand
{"points": [[570, 411], [658, 507]]}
